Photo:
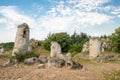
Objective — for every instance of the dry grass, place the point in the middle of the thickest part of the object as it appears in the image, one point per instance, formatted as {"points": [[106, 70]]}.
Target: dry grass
{"points": [[40, 50], [92, 69], [112, 75]]}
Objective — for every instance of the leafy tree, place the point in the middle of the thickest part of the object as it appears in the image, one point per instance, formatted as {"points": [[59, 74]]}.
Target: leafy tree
{"points": [[71, 43], [76, 47], [116, 40], [78, 38], [77, 41], [104, 36], [62, 38]]}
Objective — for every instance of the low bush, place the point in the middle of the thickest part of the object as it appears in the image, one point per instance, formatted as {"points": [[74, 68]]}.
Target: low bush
{"points": [[8, 46], [21, 57]]}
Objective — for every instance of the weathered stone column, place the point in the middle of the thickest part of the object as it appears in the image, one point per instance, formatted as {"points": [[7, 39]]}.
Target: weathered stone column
{"points": [[55, 50], [21, 40], [94, 47]]}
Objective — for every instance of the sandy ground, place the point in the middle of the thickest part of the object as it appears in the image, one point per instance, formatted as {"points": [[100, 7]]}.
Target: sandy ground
{"points": [[25, 72]]}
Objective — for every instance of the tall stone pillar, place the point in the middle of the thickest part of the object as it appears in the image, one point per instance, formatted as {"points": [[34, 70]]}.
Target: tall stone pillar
{"points": [[55, 50], [94, 47], [21, 40]]}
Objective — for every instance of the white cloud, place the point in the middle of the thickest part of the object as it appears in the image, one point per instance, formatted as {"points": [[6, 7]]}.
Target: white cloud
{"points": [[67, 16], [87, 5], [116, 11], [11, 17], [78, 15]]}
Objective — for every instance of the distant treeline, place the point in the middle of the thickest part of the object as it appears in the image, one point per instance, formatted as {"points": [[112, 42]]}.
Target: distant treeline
{"points": [[8, 46], [71, 43]]}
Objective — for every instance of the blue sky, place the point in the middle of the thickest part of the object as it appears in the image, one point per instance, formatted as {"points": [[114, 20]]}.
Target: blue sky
{"points": [[94, 17]]}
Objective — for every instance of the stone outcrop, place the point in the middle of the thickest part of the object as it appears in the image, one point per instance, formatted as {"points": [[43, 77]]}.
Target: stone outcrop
{"points": [[43, 59], [34, 43], [68, 56], [85, 48], [30, 49], [58, 60], [41, 66], [94, 47], [106, 44], [55, 50], [30, 61], [1, 49], [21, 40], [74, 65]]}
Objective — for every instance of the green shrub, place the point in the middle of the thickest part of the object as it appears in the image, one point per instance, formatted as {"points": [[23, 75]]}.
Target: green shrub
{"points": [[116, 40], [77, 42], [77, 47], [21, 57], [62, 38], [8, 46]]}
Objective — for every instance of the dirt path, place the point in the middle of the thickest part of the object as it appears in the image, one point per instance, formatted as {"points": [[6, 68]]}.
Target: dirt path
{"points": [[89, 72]]}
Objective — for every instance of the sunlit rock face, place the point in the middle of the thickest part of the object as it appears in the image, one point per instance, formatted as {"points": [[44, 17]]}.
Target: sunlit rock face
{"points": [[94, 47], [55, 49], [22, 39], [1, 49], [106, 44], [85, 48]]}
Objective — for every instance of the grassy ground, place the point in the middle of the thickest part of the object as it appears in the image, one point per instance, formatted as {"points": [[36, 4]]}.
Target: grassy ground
{"points": [[92, 69]]}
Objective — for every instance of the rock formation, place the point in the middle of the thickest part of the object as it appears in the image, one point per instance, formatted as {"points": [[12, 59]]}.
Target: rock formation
{"points": [[56, 62], [94, 47], [106, 44], [55, 50], [68, 57], [56, 59], [85, 48], [1, 49], [32, 60], [43, 59], [22, 39], [30, 49]]}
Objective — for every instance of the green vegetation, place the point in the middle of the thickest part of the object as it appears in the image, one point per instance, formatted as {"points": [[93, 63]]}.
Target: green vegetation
{"points": [[8, 46], [21, 57], [116, 40], [62, 38], [71, 43], [77, 42]]}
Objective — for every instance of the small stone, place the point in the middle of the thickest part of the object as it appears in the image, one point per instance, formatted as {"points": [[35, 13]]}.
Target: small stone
{"points": [[16, 65], [41, 66], [32, 60], [19, 79], [74, 65], [6, 63]]}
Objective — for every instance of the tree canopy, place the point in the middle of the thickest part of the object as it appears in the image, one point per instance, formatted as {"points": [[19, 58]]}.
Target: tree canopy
{"points": [[116, 39], [71, 43]]}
